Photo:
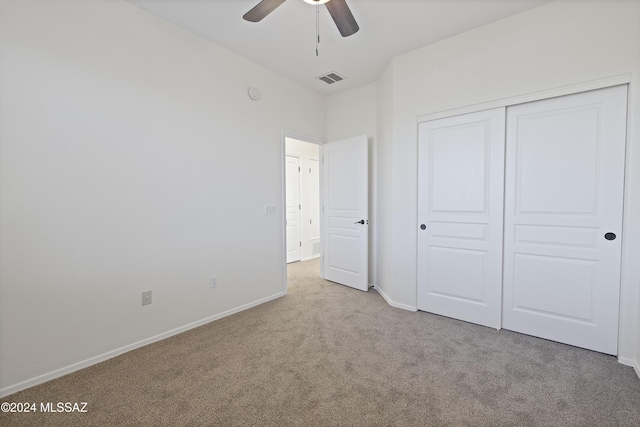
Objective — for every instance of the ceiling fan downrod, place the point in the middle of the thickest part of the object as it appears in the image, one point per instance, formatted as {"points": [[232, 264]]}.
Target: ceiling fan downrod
{"points": [[317, 26]]}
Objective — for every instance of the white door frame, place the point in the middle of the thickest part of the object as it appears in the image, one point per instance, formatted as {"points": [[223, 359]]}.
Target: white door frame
{"points": [[529, 97], [283, 153]]}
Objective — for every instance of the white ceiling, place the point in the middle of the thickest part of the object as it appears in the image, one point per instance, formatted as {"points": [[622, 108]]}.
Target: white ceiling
{"points": [[284, 41]]}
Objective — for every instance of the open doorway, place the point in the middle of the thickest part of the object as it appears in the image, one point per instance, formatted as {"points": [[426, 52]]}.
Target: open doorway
{"points": [[302, 203]]}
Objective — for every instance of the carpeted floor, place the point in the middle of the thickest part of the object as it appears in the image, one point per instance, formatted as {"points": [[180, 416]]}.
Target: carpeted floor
{"points": [[329, 355]]}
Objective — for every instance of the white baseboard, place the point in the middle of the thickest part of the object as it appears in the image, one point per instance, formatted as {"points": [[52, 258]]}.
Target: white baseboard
{"points": [[310, 258], [392, 303], [631, 362], [113, 353]]}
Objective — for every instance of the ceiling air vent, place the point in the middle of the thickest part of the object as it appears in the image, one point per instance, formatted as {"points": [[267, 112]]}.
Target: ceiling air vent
{"points": [[331, 78]]}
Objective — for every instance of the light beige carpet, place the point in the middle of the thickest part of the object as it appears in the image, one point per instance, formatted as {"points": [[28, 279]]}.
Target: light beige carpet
{"points": [[329, 355]]}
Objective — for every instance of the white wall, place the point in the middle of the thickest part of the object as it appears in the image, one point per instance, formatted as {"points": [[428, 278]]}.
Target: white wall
{"points": [[119, 140], [354, 113], [309, 155], [384, 208], [132, 159], [558, 44]]}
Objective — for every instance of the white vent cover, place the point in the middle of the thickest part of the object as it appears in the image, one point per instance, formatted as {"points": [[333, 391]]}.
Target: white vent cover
{"points": [[330, 78]]}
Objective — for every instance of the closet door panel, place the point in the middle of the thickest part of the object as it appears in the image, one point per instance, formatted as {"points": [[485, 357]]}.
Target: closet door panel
{"points": [[460, 204], [563, 194]]}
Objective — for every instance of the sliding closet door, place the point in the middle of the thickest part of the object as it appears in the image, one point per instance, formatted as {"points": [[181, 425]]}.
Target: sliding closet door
{"points": [[460, 205], [563, 218]]}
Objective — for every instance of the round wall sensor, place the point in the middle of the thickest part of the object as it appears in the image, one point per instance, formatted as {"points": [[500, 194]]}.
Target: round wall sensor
{"points": [[254, 93]]}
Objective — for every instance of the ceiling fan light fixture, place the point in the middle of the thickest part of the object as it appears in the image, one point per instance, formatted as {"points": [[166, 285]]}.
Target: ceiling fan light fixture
{"points": [[316, 1]]}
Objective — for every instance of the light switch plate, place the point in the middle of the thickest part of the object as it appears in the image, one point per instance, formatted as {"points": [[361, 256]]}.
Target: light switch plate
{"points": [[146, 298]]}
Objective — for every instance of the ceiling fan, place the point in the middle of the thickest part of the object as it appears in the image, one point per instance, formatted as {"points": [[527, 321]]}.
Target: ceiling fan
{"points": [[338, 10]]}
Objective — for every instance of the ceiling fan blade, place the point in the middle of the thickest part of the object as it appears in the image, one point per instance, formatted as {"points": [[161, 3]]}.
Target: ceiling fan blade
{"points": [[261, 10], [343, 17]]}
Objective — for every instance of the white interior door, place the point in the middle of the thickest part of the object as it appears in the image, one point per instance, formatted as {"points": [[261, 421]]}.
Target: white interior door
{"points": [[345, 212], [292, 197], [563, 195], [460, 214]]}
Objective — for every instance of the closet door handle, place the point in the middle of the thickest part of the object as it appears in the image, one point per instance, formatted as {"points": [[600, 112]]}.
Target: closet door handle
{"points": [[610, 236]]}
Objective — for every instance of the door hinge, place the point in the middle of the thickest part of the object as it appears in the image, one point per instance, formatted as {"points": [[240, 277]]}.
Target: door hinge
{"points": [[300, 244], [298, 168], [309, 170], [299, 206]]}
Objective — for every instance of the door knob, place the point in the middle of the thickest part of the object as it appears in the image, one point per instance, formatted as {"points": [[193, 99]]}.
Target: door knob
{"points": [[610, 236], [423, 227], [359, 222]]}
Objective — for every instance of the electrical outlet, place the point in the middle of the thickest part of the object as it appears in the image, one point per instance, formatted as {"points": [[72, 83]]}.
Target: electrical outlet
{"points": [[146, 298], [213, 281]]}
